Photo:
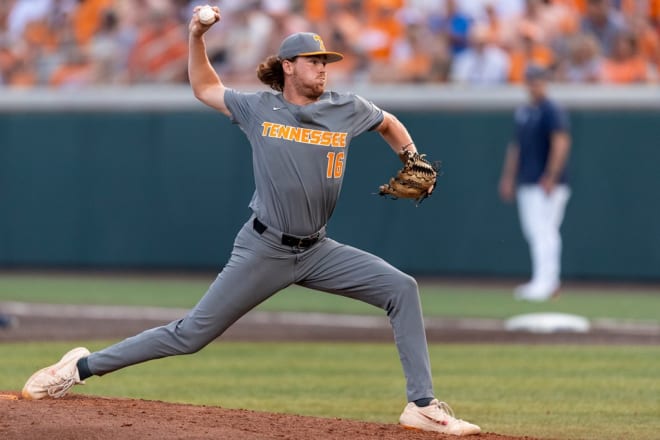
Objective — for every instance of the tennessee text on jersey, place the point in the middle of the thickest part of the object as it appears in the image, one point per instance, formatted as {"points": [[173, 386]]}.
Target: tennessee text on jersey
{"points": [[304, 135]]}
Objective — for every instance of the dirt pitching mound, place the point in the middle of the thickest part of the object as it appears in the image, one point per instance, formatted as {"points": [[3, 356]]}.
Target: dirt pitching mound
{"points": [[78, 417]]}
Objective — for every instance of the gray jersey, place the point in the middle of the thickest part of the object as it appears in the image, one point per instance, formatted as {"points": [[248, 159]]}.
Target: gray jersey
{"points": [[299, 153]]}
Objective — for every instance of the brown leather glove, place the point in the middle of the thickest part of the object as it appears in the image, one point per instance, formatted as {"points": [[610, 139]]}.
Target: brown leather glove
{"points": [[415, 180]]}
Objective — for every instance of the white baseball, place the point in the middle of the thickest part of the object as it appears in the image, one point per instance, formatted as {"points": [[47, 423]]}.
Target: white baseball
{"points": [[206, 15]]}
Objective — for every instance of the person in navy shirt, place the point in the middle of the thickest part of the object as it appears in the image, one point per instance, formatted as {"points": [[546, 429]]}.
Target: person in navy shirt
{"points": [[534, 172]]}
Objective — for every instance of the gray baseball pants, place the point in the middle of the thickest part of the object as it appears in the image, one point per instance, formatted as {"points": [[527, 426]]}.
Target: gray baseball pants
{"points": [[259, 267]]}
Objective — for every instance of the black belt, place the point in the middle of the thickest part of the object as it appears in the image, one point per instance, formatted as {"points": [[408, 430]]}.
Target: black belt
{"points": [[288, 240]]}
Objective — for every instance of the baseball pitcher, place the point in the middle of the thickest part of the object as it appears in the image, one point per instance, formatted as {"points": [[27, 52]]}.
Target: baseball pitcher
{"points": [[300, 136]]}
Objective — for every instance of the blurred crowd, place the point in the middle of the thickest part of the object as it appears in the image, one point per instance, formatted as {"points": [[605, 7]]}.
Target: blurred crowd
{"points": [[78, 43]]}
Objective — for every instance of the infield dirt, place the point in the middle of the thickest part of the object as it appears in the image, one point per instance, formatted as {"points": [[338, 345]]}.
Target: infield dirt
{"points": [[78, 417]]}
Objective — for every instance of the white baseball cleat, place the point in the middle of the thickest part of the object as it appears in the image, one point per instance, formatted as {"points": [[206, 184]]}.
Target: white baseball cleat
{"points": [[55, 380], [537, 292], [437, 417]]}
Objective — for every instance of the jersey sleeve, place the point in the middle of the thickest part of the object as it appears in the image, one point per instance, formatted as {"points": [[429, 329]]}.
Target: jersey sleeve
{"points": [[241, 105], [559, 120], [366, 116]]}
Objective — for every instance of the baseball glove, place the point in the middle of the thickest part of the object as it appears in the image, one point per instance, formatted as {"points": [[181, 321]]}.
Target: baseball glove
{"points": [[414, 180]]}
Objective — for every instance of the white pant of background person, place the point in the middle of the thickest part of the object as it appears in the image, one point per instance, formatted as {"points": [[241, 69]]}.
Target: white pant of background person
{"points": [[541, 215]]}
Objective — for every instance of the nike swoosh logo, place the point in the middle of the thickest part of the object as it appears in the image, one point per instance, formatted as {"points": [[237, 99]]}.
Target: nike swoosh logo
{"points": [[277, 108], [439, 422]]}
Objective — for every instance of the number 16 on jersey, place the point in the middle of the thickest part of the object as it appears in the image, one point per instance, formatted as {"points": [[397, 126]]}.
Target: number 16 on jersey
{"points": [[335, 165]]}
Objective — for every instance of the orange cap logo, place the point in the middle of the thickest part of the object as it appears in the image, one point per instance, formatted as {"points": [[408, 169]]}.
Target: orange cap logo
{"points": [[321, 45]]}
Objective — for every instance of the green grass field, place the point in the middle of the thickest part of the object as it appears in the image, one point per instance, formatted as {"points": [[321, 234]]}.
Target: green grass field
{"points": [[555, 392], [448, 300]]}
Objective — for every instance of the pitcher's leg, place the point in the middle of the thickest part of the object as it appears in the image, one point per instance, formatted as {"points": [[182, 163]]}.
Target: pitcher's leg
{"points": [[250, 277], [350, 272]]}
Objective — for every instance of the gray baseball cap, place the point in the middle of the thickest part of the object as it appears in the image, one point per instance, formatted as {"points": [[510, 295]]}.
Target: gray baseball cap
{"points": [[306, 44]]}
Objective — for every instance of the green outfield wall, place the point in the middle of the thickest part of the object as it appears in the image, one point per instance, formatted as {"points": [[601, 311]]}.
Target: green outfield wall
{"points": [[169, 189]]}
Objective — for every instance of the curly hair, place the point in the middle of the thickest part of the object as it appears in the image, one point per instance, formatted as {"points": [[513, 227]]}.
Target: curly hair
{"points": [[270, 72]]}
